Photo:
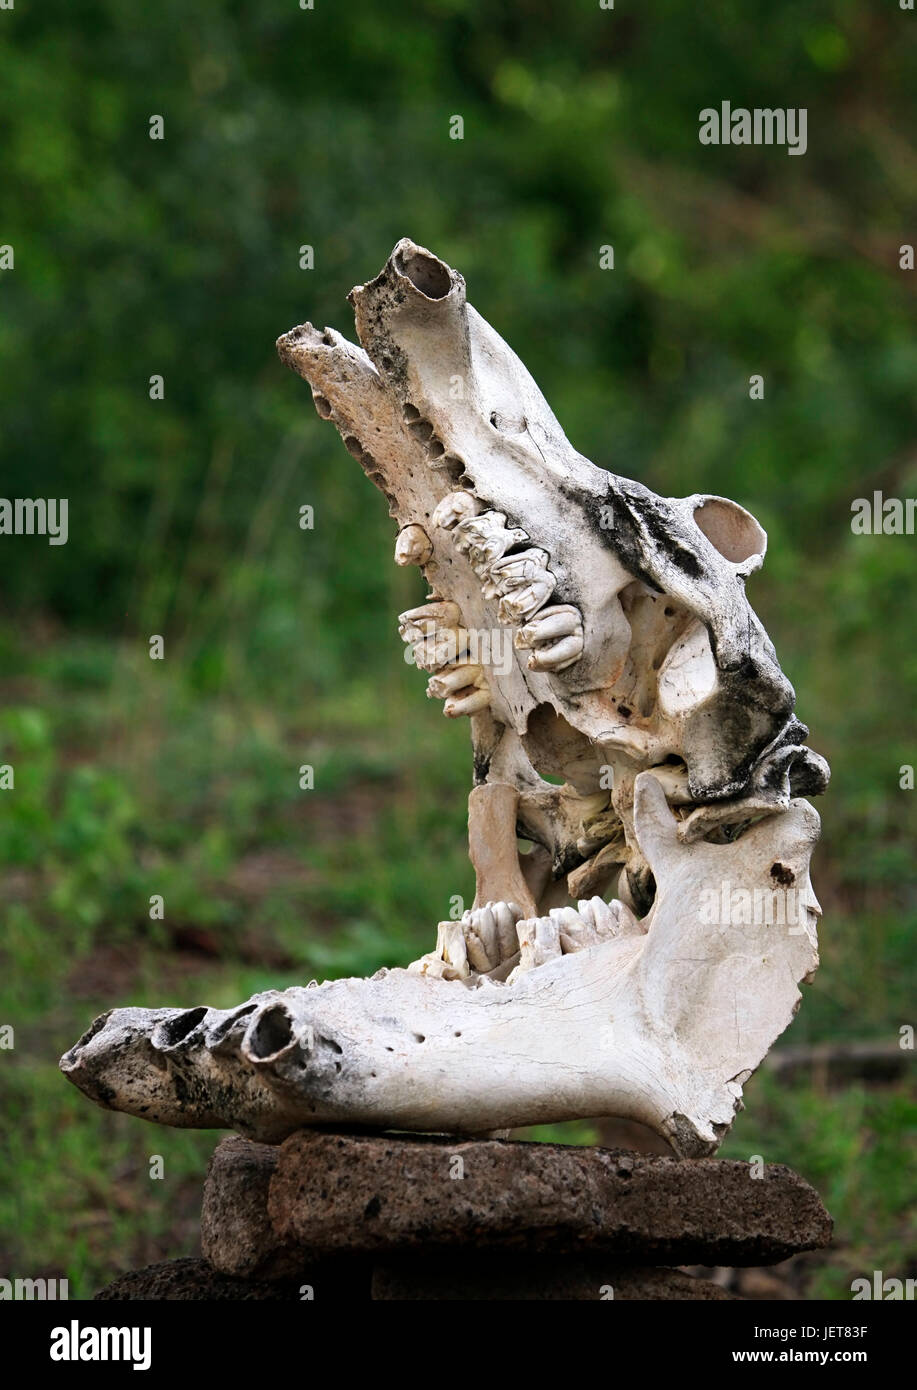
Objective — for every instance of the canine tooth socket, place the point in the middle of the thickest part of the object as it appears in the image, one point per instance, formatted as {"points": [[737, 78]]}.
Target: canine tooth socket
{"points": [[413, 546], [471, 703]]}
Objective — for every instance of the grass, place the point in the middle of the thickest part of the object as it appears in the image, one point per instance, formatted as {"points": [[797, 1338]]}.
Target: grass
{"points": [[130, 782]]}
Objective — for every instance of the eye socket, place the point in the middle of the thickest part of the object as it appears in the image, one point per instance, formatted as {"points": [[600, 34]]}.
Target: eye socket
{"points": [[730, 529]]}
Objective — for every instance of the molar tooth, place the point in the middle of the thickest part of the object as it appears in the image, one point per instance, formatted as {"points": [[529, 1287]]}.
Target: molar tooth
{"points": [[558, 656], [443, 648], [513, 571], [485, 538], [487, 552], [453, 508], [539, 941], [453, 679], [560, 620], [451, 946], [417, 623], [472, 703], [413, 546], [521, 604], [507, 914]]}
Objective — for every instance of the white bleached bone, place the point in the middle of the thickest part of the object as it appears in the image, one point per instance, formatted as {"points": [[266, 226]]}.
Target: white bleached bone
{"points": [[641, 738], [662, 1027]]}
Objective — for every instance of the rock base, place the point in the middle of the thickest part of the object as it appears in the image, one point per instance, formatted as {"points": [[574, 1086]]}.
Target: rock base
{"points": [[395, 1217]]}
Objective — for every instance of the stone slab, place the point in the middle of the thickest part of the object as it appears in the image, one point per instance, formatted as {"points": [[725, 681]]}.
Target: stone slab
{"points": [[269, 1211]]}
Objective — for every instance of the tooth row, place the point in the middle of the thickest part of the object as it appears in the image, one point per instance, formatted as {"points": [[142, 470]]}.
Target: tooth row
{"points": [[554, 636], [566, 930], [484, 939], [522, 581], [440, 644]]}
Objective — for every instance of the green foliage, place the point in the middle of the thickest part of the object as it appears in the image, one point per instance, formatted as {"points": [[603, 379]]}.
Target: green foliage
{"points": [[180, 257]]}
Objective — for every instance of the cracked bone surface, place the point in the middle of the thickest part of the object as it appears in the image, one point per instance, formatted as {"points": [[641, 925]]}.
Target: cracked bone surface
{"points": [[628, 720]]}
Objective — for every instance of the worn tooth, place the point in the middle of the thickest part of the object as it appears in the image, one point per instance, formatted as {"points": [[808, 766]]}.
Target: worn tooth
{"points": [[433, 965], [560, 620], [483, 554], [506, 916], [521, 604], [413, 546], [443, 648], [444, 611], [478, 528], [504, 575], [564, 916], [539, 941], [422, 622], [573, 933], [453, 679], [471, 703], [558, 656], [612, 919], [600, 829], [513, 571], [602, 915], [485, 537], [481, 938], [453, 508], [452, 947], [586, 909]]}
